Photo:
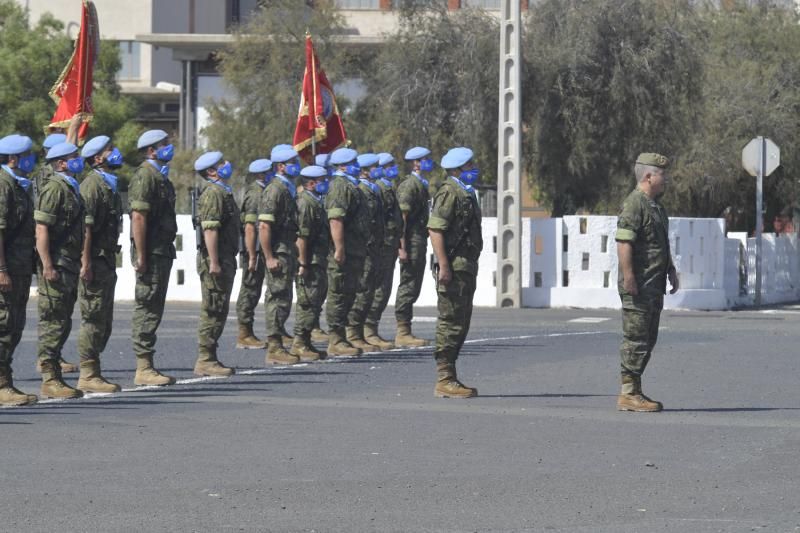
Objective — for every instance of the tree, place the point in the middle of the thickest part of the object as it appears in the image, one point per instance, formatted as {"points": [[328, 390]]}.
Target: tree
{"points": [[606, 79]]}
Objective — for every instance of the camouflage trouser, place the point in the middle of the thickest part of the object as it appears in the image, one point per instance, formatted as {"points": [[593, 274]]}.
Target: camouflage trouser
{"points": [[411, 275], [216, 292], [311, 292], [455, 314], [96, 300], [12, 321], [278, 300], [365, 293], [249, 292], [640, 318], [150, 294], [56, 302], [383, 285], [342, 286]]}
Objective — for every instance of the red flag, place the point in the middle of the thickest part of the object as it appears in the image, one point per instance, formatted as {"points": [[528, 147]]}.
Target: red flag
{"points": [[73, 91], [319, 117]]}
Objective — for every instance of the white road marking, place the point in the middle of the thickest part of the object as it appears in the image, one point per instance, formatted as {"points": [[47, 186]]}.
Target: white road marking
{"points": [[589, 320], [424, 319]]}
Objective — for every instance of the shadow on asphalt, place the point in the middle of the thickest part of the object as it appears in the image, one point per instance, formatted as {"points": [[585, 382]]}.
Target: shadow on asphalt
{"points": [[731, 409], [546, 396]]}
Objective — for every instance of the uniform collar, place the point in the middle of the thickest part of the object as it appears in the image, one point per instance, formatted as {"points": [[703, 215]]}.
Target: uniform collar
{"points": [[422, 180], [23, 182]]}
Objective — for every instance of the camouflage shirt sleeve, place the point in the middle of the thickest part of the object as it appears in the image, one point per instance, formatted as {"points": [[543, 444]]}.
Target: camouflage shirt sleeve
{"points": [[90, 195], [630, 220], [48, 204], [305, 218], [405, 195], [250, 204], [142, 191], [271, 207], [443, 210], [5, 196], [210, 208], [336, 201]]}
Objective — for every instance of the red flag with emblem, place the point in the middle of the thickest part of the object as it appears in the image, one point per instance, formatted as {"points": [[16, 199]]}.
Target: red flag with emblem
{"points": [[318, 121], [72, 93]]}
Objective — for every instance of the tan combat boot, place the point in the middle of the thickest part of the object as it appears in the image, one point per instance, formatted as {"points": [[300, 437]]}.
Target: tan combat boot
{"points": [[338, 345], [247, 339], [277, 354], [319, 335], [632, 399], [91, 380], [447, 384], [404, 338], [355, 336], [52, 384], [11, 396], [147, 375], [372, 337], [286, 338], [302, 348], [66, 366], [208, 365]]}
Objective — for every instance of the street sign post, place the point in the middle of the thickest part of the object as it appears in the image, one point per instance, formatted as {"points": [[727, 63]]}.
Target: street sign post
{"points": [[760, 158]]}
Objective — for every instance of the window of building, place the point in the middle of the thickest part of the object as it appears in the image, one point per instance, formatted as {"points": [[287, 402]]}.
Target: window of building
{"points": [[359, 4], [130, 55]]}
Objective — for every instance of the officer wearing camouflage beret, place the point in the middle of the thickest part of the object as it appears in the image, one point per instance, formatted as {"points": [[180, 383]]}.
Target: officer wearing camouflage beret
{"points": [[98, 276], [16, 256], [216, 259], [59, 217], [645, 264], [457, 241], [250, 259], [151, 197]]}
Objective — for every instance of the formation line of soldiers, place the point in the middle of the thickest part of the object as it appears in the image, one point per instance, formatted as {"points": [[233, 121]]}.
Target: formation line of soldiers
{"points": [[332, 232]]}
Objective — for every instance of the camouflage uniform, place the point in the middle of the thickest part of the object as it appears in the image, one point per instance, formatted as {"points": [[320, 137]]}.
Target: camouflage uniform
{"points": [[17, 227], [644, 224], [252, 282], [43, 173], [393, 226], [311, 290], [457, 215], [374, 218], [278, 208], [412, 197], [153, 194], [59, 207], [344, 202], [216, 210], [103, 211]]}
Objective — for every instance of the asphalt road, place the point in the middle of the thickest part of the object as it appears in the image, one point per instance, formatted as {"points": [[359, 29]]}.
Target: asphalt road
{"points": [[362, 445]]}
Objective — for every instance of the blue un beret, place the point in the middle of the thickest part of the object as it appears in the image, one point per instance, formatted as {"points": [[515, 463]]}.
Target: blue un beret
{"points": [[207, 160], [342, 156], [367, 160], [418, 152], [151, 137], [60, 150], [277, 148], [322, 160], [385, 158], [456, 157], [283, 155], [259, 166], [15, 144], [94, 145], [313, 172], [54, 139]]}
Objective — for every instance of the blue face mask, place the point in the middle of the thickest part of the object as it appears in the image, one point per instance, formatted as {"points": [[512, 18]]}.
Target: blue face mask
{"points": [[426, 165], [27, 163], [376, 173], [75, 165], [293, 170], [470, 176], [322, 187], [114, 159], [225, 171], [392, 172], [354, 169], [165, 153], [269, 175]]}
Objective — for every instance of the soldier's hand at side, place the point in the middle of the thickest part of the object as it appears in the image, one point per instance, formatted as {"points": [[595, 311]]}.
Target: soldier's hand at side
{"points": [[50, 273], [5, 282], [251, 264], [273, 264], [86, 273], [673, 280], [141, 265], [339, 256], [445, 275], [214, 269], [402, 255], [630, 286], [302, 272]]}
